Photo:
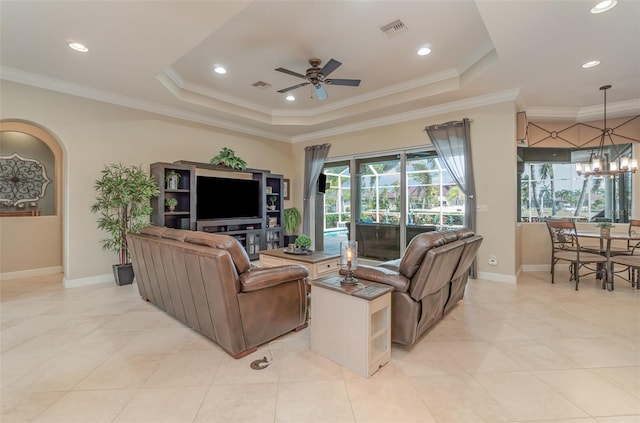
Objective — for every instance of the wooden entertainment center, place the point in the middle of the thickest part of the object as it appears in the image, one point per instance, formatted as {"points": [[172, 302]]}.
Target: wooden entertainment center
{"points": [[256, 233]]}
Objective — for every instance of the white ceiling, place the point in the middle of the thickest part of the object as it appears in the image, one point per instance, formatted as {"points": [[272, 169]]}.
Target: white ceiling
{"points": [[158, 56]]}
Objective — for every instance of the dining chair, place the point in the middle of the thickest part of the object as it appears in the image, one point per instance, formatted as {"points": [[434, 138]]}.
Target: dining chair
{"points": [[631, 261], [565, 246]]}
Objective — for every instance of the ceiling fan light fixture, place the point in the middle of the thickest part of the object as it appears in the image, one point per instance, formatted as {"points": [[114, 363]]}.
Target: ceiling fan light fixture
{"points": [[219, 69], [604, 6], [423, 51], [591, 64], [79, 47], [290, 97]]}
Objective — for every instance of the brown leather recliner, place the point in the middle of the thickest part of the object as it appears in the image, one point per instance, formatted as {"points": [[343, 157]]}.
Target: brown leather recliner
{"points": [[207, 282], [428, 280]]}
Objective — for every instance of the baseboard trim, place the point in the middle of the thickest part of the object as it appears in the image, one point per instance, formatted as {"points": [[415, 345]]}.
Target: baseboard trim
{"points": [[91, 280], [497, 277], [21, 274]]}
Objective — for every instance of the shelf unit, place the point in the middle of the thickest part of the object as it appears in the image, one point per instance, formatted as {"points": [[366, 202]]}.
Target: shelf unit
{"points": [[273, 211], [184, 215], [255, 234], [249, 232]]}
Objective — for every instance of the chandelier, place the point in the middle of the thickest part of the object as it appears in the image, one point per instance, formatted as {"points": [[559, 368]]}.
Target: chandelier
{"points": [[600, 163]]}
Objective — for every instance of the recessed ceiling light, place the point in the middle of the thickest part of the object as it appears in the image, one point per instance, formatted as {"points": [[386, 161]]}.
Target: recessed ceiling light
{"points": [[219, 69], [591, 64], [603, 6], [79, 47], [290, 97], [423, 51]]}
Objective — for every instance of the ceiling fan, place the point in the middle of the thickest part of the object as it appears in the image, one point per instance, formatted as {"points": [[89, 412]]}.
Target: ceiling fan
{"points": [[317, 76]]}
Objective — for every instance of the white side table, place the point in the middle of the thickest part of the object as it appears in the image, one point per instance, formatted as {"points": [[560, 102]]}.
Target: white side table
{"points": [[350, 325]]}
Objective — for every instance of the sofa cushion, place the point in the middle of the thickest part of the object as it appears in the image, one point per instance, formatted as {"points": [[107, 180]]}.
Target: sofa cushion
{"points": [[223, 242], [416, 250], [176, 234], [463, 233], [154, 230]]}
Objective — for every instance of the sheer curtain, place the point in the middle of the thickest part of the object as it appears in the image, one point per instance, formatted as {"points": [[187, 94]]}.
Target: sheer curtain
{"points": [[314, 158], [452, 141]]}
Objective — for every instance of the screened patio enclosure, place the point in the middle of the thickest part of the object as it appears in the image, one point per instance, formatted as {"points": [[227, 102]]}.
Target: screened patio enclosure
{"points": [[394, 198]]}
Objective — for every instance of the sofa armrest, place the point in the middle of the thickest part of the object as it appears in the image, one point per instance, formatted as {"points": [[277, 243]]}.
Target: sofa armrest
{"points": [[266, 277], [382, 275]]}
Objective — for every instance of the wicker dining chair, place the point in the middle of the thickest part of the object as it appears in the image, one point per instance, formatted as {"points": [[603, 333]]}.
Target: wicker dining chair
{"points": [[565, 246]]}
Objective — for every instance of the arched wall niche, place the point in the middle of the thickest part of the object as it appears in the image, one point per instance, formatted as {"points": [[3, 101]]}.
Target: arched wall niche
{"points": [[33, 245]]}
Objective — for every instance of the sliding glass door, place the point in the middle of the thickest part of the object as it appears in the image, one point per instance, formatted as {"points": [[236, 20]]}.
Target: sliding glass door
{"points": [[394, 197]]}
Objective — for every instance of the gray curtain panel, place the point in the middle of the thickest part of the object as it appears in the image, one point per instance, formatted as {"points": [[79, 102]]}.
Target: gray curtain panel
{"points": [[314, 159], [452, 141]]}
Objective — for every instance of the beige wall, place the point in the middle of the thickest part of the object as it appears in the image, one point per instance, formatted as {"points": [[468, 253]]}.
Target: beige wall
{"points": [[93, 134], [494, 160]]}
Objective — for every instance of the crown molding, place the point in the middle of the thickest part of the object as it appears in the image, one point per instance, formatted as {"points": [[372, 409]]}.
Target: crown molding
{"points": [[584, 114], [78, 90], [470, 103]]}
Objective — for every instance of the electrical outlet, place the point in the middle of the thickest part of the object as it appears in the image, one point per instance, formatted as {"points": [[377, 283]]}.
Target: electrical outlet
{"points": [[493, 261]]}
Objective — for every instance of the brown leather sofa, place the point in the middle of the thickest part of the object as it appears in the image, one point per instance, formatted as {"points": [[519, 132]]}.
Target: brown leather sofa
{"points": [[428, 281], [207, 282]]}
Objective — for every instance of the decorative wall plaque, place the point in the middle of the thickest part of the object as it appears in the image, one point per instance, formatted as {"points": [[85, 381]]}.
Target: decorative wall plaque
{"points": [[22, 180]]}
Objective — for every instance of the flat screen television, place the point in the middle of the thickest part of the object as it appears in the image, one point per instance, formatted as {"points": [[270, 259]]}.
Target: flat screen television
{"points": [[225, 198]]}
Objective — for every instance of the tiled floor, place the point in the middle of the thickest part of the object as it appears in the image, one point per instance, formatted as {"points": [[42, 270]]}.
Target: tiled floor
{"points": [[508, 353]]}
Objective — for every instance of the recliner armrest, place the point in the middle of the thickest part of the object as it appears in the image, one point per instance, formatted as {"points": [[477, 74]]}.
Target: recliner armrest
{"points": [[266, 277], [382, 275]]}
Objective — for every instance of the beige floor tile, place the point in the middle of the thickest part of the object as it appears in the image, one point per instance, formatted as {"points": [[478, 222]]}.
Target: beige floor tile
{"points": [[458, 398], [247, 402], [232, 371], [87, 406], [387, 400], [311, 402], [165, 341], [619, 419], [480, 357], [122, 371], [425, 359], [19, 407], [531, 354], [525, 397], [588, 352], [186, 368], [590, 392], [60, 373], [307, 365], [627, 378], [13, 366], [160, 405], [134, 320]]}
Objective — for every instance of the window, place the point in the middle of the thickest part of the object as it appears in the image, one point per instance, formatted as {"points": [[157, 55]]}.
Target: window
{"points": [[551, 188]]}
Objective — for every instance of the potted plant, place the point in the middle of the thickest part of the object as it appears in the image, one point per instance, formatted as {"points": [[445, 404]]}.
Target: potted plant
{"points": [[272, 200], [172, 179], [123, 204], [292, 219], [303, 242], [227, 157], [171, 203]]}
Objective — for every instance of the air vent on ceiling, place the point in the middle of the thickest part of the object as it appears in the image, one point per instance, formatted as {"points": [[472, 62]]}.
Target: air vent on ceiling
{"points": [[261, 84], [394, 28]]}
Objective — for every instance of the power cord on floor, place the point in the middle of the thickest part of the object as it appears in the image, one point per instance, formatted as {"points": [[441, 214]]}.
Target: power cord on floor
{"points": [[264, 363]]}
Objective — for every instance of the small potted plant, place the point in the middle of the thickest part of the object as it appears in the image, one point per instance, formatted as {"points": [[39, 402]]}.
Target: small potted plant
{"points": [[292, 219], [272, 200], [123, 204], [227, 157], [303, 242], [171, 203], [605, 229], [172, 179]]}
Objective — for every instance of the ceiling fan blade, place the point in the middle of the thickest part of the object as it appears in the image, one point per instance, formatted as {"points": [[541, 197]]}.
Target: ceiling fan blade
{"points": [[287, 71], [321, 93], [348, 82], [330, 67], [285, 90]]}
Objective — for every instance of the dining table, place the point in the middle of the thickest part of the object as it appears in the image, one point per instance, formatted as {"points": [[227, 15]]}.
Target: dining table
{"points": [[605, 247]]}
